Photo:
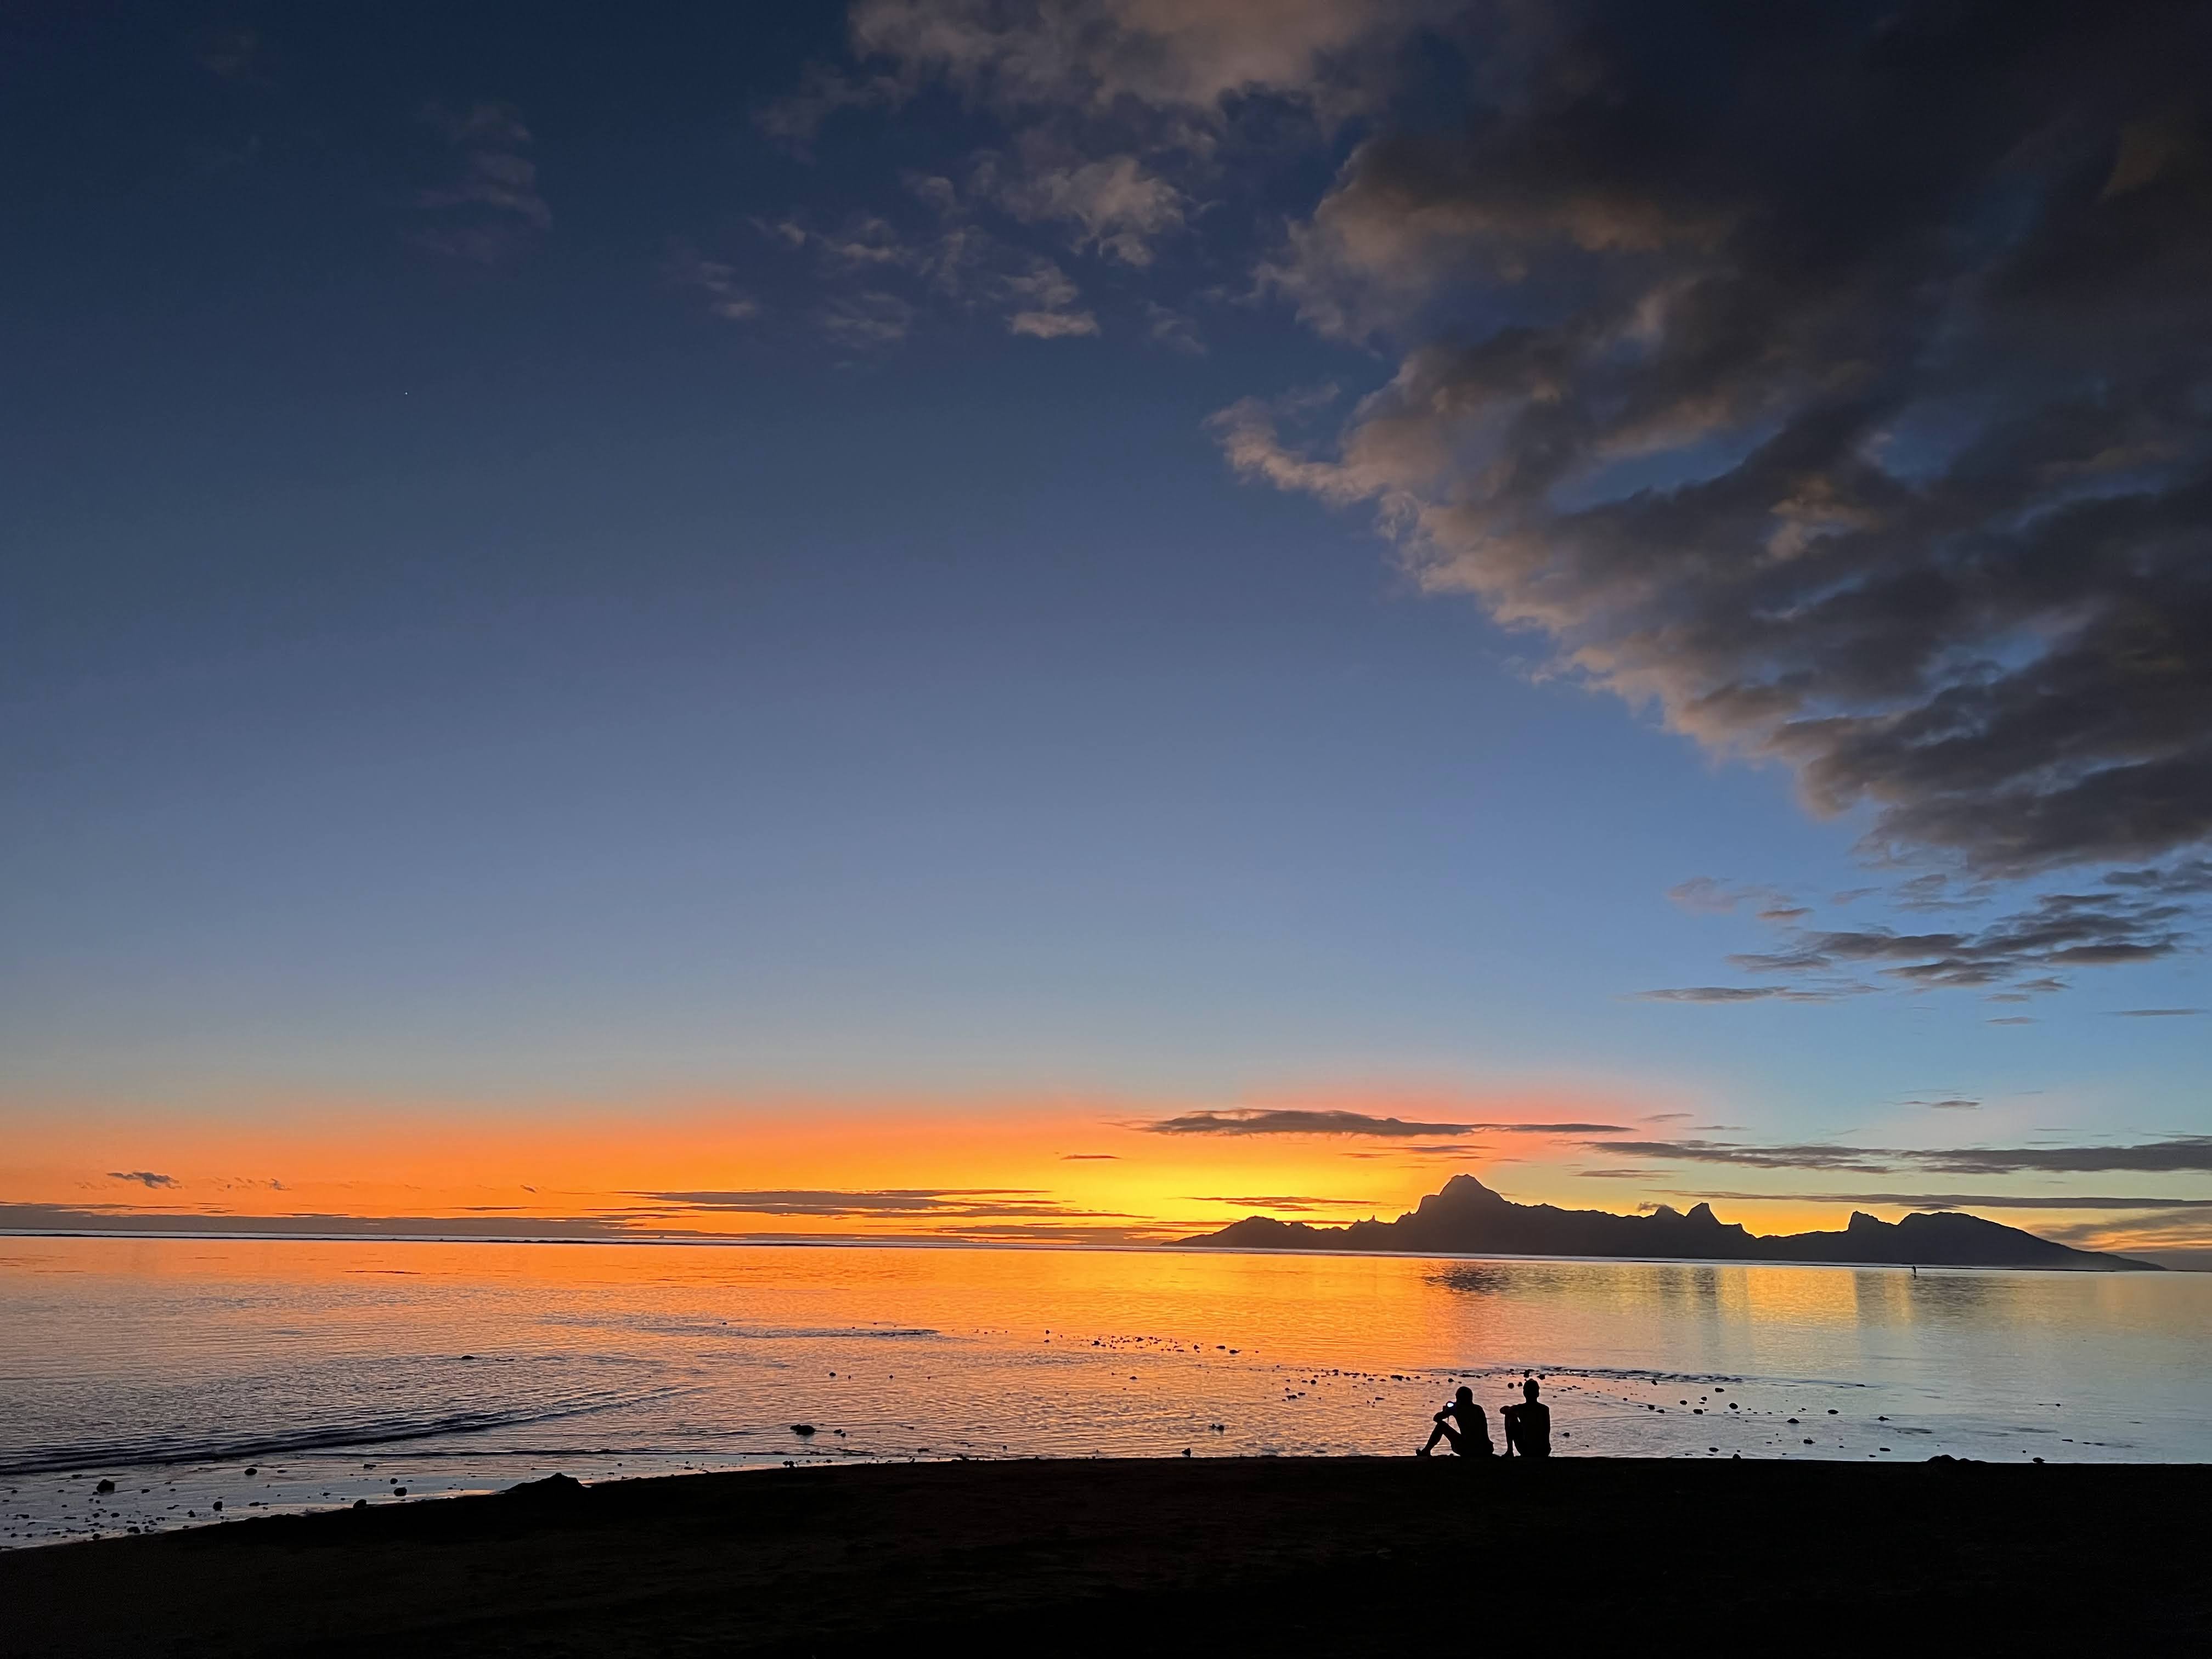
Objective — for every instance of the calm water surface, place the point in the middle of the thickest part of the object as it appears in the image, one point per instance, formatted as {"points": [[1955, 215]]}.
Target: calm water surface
{"points": [[336, 1370]]}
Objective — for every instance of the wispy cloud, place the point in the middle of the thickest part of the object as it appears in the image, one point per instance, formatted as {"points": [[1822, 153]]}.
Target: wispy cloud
{"points": [[1294, 1122], [1052, 325], [2186, 1232], [1723, 996], [1709, 896], [964, 1203], [871, 318], [236, 55], [2176, 1153], [956, 264], [980, 1222], [1962, 1200], [1115, 205], [1046, 301], [793, 120], [1176, 330], [2016, 958], [147, 1178], [491, 208], [117, 1218], [2058, 931], [1287, 1122], [717, 282]]}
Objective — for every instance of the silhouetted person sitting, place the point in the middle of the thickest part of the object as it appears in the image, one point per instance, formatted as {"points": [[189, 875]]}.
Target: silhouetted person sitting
{"points": [[1528, 1426], [1462, 1423]]}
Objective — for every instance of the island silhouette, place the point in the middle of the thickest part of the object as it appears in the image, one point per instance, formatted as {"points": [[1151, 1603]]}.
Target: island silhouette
{"points": [[1467, 1217]]}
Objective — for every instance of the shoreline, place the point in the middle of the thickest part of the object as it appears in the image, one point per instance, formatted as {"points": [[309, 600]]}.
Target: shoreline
{"points": [[1168, 1555], [2143, 1263]]}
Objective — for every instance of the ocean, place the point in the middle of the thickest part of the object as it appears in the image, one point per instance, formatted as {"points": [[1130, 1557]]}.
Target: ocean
{"points": [[211, 1380]]}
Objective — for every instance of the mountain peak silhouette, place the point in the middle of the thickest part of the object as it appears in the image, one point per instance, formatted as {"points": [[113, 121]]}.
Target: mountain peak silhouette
{"points": [[1466, 1218]]}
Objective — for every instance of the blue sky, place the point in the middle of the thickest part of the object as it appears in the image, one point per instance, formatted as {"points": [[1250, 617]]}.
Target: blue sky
{"points": [[545, 625]]}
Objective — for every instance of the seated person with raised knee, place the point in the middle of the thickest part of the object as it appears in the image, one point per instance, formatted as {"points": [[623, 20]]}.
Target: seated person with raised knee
{"points": [[1528, 1426], [1463, 1424]]}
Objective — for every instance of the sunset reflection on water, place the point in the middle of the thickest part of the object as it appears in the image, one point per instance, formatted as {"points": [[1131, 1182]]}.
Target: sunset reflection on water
{"points": [[463, 1366]]}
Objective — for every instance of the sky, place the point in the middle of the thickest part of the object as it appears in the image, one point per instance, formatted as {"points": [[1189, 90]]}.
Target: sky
{"points": [[1038, 623]]}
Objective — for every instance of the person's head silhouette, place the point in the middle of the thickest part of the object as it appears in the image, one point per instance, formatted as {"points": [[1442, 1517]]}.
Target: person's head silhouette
{"points": [[1528, 1390], [1465, 1396]]}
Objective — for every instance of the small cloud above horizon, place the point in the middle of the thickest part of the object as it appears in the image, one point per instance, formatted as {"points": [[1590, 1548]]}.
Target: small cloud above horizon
{"points": [[147, 1178], [1285, 1121]]}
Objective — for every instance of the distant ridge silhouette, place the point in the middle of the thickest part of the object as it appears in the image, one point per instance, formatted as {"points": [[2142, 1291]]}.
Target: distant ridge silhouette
{"points": [[1467, 1217]]}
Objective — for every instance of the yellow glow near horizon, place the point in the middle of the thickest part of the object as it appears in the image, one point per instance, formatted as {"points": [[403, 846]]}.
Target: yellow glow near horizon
{"points": [[1061, 1170]]}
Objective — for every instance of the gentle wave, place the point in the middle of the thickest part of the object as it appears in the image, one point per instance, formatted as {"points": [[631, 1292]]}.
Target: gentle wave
{"points": [[147, 1451]]}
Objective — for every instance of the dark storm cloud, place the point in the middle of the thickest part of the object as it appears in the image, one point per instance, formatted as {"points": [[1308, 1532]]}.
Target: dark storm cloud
{"points": [[2179, 1153], [1837, 380], [1293, 1122], [146, 1178]]}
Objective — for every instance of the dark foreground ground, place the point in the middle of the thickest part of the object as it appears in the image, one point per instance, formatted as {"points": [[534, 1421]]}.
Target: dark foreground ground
{"points": [[1353, 1555]]}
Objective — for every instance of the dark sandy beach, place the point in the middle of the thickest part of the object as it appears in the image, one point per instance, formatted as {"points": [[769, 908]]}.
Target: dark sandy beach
{"points": [[1358, 1555]]}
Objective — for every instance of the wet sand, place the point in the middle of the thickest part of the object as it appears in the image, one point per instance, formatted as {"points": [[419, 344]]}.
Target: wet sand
{"points": [[1352, 1554]]}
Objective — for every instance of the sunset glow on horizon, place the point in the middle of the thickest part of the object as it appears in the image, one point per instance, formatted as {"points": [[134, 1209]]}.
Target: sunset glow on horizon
{"points": [[1018, 1172]]}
